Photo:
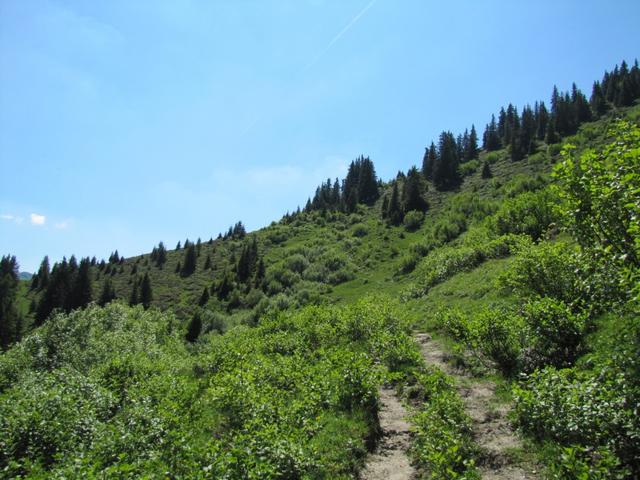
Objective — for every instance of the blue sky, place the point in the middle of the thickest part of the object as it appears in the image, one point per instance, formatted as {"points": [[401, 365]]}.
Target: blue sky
{"points": [[123, 123]]}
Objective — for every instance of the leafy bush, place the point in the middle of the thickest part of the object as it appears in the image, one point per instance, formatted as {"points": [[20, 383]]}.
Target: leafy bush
{"points": [[413, 220], [443, 443], [530, 213], [588, 409], [359, 230]]}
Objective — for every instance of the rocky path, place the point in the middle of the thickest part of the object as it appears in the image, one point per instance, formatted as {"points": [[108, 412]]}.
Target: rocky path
{"points": [[492, 431], [390, 460]]}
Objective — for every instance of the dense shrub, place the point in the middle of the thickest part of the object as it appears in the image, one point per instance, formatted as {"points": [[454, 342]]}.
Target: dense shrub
{"points": [[530, 213], [413, 220]]}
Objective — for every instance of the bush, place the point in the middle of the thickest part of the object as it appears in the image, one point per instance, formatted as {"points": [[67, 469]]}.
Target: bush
{"points": [[555, 333], [297, 263], [545, 270], [530, 213], [587, 409], [413, 220], [359, 230]]}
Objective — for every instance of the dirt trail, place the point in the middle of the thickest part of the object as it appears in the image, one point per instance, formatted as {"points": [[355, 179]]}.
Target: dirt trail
{"points": [[390, 460], [491, 428]]}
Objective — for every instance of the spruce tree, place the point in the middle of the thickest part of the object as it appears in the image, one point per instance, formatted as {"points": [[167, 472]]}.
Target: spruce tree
{"points": [[108, 293], [486, 170], [190, 261], [161, 256], [146, 295], [471, 147], [134, 297], [81, 294], [43, 273], [412, 192], [204, 298], [428, 161], [258, 278], [394, 214], [10, 321], [207, 262], [194, 329]]}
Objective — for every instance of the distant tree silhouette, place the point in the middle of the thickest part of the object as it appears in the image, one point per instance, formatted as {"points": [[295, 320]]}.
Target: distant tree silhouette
{"points": [[146, 295], [194, 329]]}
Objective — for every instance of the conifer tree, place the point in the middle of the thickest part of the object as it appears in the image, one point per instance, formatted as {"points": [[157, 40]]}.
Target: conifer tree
{"points": [[190, 261], [108, 293], [178, 268], [161, 256], [80, 294], [146, 295], [43, 273], [225, 286], [486, 171], [134, 297], [412, 192], [10, 321], [204, 298], [542, 121], [207, 262], [194, 329], [56, 295], [394, 214], [445, 171], [258, 278], [471, 146], [429, 160], [178, 246]]}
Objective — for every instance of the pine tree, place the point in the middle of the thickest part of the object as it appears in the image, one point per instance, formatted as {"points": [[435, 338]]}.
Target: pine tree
{"points": [[445, 171], [108, 293], [190, 261], [204, 298], [10, 321], [412, 192], [207, 262], [178, 246], [486, 171], [134, 297], [598, 100], [194, 329], [394, 213], [80, 294], [146, 295], [471, 146], [43, 273], [56, 295], [258, 278], [161, 256], [428, 161], [225, 286], [542, 121]]}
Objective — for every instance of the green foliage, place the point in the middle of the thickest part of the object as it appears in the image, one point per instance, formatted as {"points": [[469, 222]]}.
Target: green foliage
{"points": [[114, 392], [530, 213], [601, 194], [443, 443], [594, 410], [413, 220]]}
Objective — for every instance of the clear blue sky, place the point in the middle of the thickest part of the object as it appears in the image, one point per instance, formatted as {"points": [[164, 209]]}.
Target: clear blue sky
{"points": [[123, 123]]}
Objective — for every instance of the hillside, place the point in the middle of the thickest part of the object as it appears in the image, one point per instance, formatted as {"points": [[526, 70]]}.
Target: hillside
{"points": [[501, 315]]}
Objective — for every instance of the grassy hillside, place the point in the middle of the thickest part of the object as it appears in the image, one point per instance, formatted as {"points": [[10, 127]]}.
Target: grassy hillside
{"points": [[283, 381]]}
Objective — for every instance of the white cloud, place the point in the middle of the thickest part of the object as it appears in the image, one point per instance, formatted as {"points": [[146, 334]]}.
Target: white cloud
{"points": [[37, 219], [7, 217], [62, 225]]}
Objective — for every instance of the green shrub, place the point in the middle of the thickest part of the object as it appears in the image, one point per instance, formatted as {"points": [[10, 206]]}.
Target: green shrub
{"points": [[413, 220], [359, 230], [530, 213]]}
